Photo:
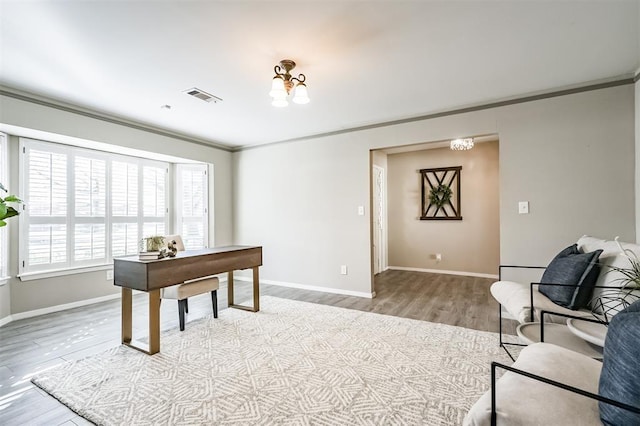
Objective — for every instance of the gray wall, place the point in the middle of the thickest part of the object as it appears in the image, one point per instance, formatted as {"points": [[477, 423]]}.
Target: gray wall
{"points": [[470, 245], [571, 157], [42, 293]]}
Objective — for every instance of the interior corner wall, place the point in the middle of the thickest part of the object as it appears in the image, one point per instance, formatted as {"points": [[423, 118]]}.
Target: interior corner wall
{"points": [[467, 246], [571, 157], [44, 293], [637, 146]]}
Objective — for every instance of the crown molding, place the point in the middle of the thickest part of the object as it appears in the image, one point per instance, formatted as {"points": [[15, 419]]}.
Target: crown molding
{"points": [[570, 90], [74, 109]]}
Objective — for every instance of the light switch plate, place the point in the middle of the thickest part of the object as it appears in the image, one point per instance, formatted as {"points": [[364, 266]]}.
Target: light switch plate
{"points": [[523, 207], [360, 210]]}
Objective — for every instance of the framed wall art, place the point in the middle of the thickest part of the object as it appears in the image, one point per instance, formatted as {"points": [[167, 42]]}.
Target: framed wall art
{"points": [[441, 193]]}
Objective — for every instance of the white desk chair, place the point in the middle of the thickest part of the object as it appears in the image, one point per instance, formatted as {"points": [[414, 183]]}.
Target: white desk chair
{"points": [[182, 291]]}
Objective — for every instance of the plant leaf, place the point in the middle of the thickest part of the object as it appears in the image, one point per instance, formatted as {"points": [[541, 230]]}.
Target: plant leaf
{"points": [[3, 188], [11, 212], [3, 210], [12, 199], [2, 223]]}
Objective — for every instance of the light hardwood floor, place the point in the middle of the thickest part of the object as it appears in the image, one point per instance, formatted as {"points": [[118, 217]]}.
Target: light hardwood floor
{"points": [[32, 345]]}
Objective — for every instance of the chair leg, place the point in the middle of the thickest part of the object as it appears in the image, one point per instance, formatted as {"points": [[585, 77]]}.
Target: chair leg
{"points": [[214, 301], [181, 308], [500, 322], [186, 305]]}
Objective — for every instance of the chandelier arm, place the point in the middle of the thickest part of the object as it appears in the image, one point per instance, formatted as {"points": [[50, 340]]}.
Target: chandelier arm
{"points": [[278, 70]]}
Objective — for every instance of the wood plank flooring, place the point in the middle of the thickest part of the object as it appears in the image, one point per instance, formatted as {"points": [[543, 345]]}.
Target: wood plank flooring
{"points": [[32, 345]]}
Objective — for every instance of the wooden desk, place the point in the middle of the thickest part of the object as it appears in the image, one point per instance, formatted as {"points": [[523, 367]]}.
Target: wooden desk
{"points": [[130, 273]]}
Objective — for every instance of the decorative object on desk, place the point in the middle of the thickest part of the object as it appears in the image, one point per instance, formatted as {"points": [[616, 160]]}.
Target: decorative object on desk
{"points": [[172, 249], [153, 243], [5, 210], [441, 193], [342, 367], [151, 255], [611, 301]]}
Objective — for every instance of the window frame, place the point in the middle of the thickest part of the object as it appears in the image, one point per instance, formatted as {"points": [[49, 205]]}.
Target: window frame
{"points": [[25, 271]]}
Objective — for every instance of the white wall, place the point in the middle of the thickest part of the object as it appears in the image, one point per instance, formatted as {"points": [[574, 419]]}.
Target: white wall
{"points": [[571, 157], [39, 294]]}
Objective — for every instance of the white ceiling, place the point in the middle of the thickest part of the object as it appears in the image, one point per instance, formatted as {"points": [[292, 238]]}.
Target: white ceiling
{"points": [[366, 62]]}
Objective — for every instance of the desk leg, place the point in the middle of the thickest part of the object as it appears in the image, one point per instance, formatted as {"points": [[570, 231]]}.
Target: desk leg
{"points": [[154, 322], [256, 290], [256, 293], [126, 315], [230, 288]]}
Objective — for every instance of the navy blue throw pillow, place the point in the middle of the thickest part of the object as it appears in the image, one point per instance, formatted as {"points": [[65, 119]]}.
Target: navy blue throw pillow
{"points": [[620, 376], [571, 267]]}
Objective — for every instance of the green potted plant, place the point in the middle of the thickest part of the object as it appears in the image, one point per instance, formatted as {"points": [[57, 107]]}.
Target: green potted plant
{"points": [[611, 301], [5, 210], [154, 243]]}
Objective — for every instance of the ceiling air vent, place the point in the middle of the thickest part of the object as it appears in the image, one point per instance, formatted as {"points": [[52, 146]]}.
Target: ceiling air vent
{"points": [[202, 95]]}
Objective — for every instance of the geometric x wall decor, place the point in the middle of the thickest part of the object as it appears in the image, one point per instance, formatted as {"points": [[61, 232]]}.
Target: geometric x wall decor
{"points": [[441, 193]]}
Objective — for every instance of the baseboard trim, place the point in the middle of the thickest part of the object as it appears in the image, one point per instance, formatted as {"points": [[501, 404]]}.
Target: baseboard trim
{"points": [[442, 271], [64, 307], [311, 287], [6, 320]]}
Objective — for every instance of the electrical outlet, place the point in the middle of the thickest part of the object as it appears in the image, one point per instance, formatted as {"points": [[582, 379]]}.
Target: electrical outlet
{"points": [[109, 274], [360, 210], [343, 269]]}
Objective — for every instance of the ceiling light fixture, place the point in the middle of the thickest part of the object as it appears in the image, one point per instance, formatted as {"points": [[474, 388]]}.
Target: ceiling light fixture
{"points": [[462, 144], [283, 82]]}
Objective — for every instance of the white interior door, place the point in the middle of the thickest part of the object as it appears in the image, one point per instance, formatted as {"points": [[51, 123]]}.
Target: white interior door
{"points": [[378, 220]]}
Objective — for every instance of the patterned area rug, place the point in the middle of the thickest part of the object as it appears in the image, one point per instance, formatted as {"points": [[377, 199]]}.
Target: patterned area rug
{"points": [[292, 363]]}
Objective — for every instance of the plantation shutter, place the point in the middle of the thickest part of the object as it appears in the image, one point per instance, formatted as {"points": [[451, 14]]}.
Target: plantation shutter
{"points": [[192, 191], [124, 208], [47, 191], [154, 182], [90, 201]]}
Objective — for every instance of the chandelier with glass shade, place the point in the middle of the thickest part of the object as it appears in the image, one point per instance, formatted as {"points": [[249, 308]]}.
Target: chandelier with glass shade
{"points": [[283, 83]]}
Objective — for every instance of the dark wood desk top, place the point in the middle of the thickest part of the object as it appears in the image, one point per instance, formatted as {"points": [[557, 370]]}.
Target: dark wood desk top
{"points": [[146, 275], [188, 253]]}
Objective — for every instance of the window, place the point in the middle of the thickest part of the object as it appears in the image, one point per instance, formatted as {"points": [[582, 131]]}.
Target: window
{"points": [[4, 243], [83, 207], [191, 195]]}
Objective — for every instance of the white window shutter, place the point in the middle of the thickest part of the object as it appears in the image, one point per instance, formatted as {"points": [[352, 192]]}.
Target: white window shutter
{"points": [[192, 200]]}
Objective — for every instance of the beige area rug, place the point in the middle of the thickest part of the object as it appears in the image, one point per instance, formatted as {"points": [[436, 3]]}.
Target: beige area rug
{"points": [[292, 363]]}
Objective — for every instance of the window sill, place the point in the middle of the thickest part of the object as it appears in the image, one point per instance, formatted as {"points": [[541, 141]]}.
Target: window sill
{"points": [[4, 280], [30, 276]]}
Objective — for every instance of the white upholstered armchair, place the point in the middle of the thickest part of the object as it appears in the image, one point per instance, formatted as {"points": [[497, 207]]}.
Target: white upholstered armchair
{"points": [[525, 301]]}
